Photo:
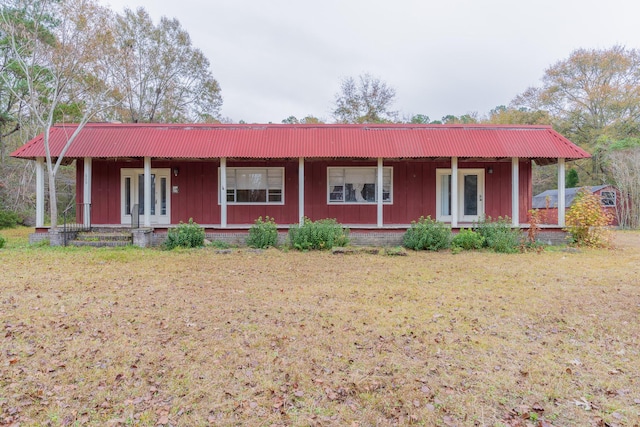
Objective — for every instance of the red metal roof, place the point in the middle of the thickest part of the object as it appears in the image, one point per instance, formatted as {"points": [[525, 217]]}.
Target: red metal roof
{"points": [[268, 141]]}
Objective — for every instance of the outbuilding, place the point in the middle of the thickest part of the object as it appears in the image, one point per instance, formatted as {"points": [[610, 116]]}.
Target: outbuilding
{"points": [[547, 201]]}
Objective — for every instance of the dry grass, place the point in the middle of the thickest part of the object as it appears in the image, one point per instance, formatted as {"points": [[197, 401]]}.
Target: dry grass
{"points": [[146, 337]]}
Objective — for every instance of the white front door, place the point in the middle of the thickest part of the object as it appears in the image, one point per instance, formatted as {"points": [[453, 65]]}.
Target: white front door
{"points": [[470, 195], [132, 195]]}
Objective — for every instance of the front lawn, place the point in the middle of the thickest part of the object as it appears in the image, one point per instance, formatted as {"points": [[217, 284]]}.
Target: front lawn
{"points": [[194, 337]]}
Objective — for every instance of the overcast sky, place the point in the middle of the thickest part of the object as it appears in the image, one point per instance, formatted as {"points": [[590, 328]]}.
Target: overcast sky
{"points": [[276, 58]]}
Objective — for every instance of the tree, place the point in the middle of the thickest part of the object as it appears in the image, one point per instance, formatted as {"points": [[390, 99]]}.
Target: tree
{"points": [[420, 119], [67, 71], [161, 76], [10, 105], [591, 94], [311, 120], [366, 99], [571, 180], [12, 108], [624, 162], [307, 120], [502, 115]]}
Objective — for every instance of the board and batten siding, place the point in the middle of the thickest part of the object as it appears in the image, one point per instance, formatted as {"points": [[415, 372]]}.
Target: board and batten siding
{"points": [[414, 191]]}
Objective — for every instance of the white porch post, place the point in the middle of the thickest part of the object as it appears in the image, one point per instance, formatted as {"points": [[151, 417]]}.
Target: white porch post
{"points": [[454, 192], [223, 192], [379, 191], [147, 191], [561, 192], [301, 190], [86, 197], [40, 192], [515, 191]]}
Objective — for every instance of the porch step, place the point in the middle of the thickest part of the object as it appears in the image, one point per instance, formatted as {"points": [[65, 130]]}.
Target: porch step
{"points": [[103, 239]]}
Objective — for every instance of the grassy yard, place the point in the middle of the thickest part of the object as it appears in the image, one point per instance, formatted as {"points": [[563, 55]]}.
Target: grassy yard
{"points": [[194, 338]]}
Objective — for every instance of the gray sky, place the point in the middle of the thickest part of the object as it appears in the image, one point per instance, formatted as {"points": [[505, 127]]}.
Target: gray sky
{"points": [[276, 58]]}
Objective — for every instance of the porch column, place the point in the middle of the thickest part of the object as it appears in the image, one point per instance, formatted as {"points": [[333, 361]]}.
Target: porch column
{"points": [[561, 192], [86, 197], [515, 191], [379, 191], [454, 192], [147, 192], [223, 192], [301, 190], [40, 192]]}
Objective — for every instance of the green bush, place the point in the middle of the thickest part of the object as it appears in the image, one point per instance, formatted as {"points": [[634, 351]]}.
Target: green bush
{"points": [[427, 234], [467, 240], [263, 234], [8, 219], [499, 235], [321, 234], [3, 241], [189, 235]]}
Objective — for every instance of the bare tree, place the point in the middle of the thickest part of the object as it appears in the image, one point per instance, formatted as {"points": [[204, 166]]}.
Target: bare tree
{"points": [[63, 50], [625, 167], [161, 76], [365, 100]]}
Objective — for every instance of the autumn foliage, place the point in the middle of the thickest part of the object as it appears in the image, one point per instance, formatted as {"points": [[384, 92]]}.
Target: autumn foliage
{"points": [[587, 221]]}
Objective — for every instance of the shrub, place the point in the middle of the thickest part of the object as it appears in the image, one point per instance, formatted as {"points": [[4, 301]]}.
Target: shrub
{"points": [[263, 234], [467, 240], [8, 219], [3, 241], [189, 235], [321, 234], [499, 235], [587, 221], [427, 234]]}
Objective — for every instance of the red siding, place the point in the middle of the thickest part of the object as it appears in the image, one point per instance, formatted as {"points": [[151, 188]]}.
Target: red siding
{"points": [[197, 195], [414, 191]]}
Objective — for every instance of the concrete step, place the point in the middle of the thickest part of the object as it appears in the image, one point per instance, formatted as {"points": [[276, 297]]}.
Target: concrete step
{"points": [[104, 236], [105, 229], [100, 243], [100, 239]]}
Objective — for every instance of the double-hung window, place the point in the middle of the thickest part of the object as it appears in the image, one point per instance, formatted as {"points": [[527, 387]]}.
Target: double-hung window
{"points": [[608, 198], [255, 185], [358, 184]]}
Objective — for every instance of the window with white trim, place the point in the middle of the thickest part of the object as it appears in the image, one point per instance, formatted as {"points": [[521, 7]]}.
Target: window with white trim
{"points": [[443, 194], [608, 198], [255, 185], [358, 184]]}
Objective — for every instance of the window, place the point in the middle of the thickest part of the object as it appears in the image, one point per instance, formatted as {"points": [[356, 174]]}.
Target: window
{"points": [[608, 198], [358, 184], [255, 185]]}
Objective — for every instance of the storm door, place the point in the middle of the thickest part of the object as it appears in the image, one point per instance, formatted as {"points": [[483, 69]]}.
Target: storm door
{"points": [[470, 195], [133, 196]]}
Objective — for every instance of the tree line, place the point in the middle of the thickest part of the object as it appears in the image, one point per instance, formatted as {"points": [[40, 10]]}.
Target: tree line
{"points": [[592, 98], [75, 61]]}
